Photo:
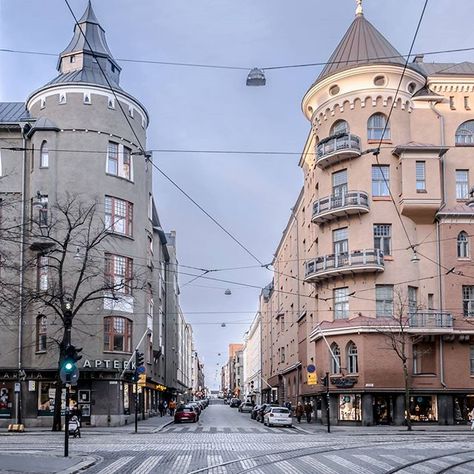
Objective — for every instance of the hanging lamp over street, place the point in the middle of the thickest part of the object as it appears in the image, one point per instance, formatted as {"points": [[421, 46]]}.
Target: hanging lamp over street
{"points": [[256, 77]]}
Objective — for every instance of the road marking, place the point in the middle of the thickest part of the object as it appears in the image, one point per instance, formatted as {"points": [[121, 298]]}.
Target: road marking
{"points": [[248, 463], [317, 466], [213, 459], [393, 458], [181, 464], [287, 467], [115, 466], [146, 466], [371, 461], [349, 465]]}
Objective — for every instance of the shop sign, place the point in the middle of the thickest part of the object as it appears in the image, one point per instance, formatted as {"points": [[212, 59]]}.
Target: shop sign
{"points": [[312, 378], [157, 386], [31, 386], [344, 382], [108, 364]]}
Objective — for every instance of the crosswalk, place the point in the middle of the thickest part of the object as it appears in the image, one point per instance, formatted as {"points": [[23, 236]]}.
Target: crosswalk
{"points": [[228, 430], [280, 463]]}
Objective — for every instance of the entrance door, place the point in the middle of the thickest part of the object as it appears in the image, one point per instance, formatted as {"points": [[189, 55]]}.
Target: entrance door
{"points": [[382, 410]]}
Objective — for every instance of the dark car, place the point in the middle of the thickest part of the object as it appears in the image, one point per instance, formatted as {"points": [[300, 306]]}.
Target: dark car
{"points": [[196, 406], [253, 413], [246, 407], [186, 413], [235, 403]]}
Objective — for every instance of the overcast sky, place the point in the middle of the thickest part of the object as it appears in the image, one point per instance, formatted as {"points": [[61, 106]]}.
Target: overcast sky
{"points": [[212, 109]]}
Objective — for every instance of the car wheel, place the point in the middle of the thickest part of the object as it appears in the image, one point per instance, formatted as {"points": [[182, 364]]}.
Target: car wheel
{"points": [[269, 425]]}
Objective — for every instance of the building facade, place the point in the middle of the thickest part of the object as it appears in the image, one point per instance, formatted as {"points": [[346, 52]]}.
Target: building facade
{"points": [[80, 140], [252, 362], [378, 246]]}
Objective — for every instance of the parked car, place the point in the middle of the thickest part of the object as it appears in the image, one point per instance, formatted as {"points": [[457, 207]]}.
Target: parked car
{"points": [[235, 402], [196, 407], [277, 416], [246, 407], [261, 411], [186, 413], [253, 413]]}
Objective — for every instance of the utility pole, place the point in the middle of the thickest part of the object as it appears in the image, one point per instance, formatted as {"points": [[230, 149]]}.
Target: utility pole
{"points": [[328, 411], [139, 369]]}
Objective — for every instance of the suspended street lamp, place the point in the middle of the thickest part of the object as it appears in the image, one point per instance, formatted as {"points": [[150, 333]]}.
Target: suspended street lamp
{"points": [[256, 77]]}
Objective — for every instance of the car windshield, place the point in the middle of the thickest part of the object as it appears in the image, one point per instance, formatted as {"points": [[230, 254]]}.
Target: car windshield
{"points": [[280, 410], [185, 409]]}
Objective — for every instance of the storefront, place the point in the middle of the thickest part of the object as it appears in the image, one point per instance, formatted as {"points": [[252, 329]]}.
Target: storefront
{"points": [[350, 407], [424, 408], [6, 400], [462, 406]]}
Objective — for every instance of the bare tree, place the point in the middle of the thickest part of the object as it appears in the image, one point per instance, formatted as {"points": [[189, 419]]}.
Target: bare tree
{"points": [[65, 267]]}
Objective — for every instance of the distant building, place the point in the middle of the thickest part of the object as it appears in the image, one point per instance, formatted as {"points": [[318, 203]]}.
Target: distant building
{"points": [[252, 362]]}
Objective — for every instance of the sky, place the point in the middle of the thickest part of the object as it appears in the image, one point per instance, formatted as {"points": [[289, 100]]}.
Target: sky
{"points": [[196, 109]]}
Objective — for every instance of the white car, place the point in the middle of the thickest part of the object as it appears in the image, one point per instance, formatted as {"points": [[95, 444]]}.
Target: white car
{"points": [[277, 416]]}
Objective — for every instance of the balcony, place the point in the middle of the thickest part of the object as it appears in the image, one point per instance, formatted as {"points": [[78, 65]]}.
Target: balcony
{"points": [[337, 148], [331, 207], [357, 261], [430, 320]]}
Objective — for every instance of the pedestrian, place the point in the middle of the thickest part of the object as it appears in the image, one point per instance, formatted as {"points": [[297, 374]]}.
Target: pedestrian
{"points": [[471, 418], [172, 407], [308, 409], [288, 405], [299, 411], [161, 408], [165, 407]]}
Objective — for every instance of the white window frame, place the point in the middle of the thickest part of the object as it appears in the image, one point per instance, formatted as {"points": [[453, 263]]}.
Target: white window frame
{"points": [[383, 238], [122, 152], [385, 302], [462, 247], [462, 185], [420, 174], [62, 98], [44, 155], [341, 303], [382, 182], [352, 359]]}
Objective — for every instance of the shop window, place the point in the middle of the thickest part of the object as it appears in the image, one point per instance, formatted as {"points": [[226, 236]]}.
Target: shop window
{"points": [[6, 401], [463, 245], [424, 358], [117, 334], [46, 396], [352, 359], [335, 358], [118, 216], [378, 128], [423, 408], [350, 408], [118, 273], [41, 333]]}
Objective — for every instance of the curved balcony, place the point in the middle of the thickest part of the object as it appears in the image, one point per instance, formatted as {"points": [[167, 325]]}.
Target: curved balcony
{"points": [[331, 207], [336, 148], [357, 261]]}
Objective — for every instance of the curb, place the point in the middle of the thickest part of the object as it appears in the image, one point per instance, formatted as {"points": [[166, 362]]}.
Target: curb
{"points": [[157, 430], [83, 465]]}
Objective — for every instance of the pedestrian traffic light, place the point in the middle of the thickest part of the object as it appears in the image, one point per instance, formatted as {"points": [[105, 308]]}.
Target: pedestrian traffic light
{"points": [[69, 372]]}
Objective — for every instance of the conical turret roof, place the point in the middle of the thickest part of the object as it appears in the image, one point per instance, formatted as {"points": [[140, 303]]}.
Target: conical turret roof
{"points": [[362, 44]]}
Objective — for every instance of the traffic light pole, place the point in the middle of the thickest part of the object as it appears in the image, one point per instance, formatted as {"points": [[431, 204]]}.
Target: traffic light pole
{"points": [[328, 412], [67, 343], [136, 406]]}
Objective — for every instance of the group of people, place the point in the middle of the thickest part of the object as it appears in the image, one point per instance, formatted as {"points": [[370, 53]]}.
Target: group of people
{"points": [[301, 410], [165, 407]]}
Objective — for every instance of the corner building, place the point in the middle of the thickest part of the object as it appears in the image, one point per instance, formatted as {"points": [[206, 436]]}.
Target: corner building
{"points": [[374, 236], [83, 145]]}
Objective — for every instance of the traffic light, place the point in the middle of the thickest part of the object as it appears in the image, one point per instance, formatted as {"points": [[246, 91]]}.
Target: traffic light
{"points": [[69, 372], [325, 381], [139, 358]]}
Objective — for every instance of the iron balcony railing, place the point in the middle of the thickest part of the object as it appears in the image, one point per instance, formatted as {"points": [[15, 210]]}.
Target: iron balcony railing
{"points": [[367, 258], [339, 201], [335, 143], [430, 319]]}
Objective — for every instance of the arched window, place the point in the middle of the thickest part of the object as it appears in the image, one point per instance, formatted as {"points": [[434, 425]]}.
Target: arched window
{"points": [[463, 245], [465, 133], [352, 362], [335, 357], [44, 155], [340, 126], [376, 126], [41, 333], [117, 334]]}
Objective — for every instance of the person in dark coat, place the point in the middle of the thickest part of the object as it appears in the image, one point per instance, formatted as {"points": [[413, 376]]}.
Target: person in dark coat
{"points": [[308, 409], [161, 408], [299, 411]]}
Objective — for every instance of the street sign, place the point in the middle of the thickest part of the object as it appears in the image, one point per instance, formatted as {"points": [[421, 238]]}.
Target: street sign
{"points": [[311, 368], [141, 369], [312, 378], [69, 377], [17, 388]]}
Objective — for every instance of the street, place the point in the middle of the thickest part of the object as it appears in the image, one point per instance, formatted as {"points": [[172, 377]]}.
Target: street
{"points": [[226, 441]]}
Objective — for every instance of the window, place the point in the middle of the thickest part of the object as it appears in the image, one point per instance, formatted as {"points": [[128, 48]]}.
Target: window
{"points": [[42, 273], [340, 241], [44, 155], [352, 363], [341, 303], [471, 359], [118, 273], [468, 300], [379, 81], [87, 98], [282, 322], [282, 354], [333, 90], [117, 334], [412, 299], [41, 333], [466, 102], [149, 260], [341, 126], [111, 103], [339, 184], [43, 212], [335, 357], [384, 301], [119, 160], [118, 216], [430, 300], [463, 245], [383, 238], [380, 180], [376, 125], [62, 98], [462, 184], [420, 176], [150, 206], [72, 59], [424, 358], [465, 133]]}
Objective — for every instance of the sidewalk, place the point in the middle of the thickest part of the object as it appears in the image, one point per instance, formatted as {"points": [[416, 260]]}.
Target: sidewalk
{"points": [[43, 463], [150, 425], [318, 428]]}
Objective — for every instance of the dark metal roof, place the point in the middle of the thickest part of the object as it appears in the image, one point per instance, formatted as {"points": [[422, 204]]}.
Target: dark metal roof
{"points": [[362, 44], [11, 112], [441, 69], [86, 75]]}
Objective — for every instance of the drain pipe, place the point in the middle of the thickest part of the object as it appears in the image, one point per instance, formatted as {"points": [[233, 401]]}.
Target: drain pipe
{"points": [[438, 239]]}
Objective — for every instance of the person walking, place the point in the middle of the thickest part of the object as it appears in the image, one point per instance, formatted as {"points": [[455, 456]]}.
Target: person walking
{"points": [[172, 407], [471, 418], [299, 411], [161, 408], [308, 409]]}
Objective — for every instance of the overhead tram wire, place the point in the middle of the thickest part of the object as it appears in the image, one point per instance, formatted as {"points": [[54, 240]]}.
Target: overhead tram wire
{"points": [[144, 153]]}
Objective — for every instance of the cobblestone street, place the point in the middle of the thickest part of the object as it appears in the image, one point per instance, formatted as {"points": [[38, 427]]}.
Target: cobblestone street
{"points": [[225, 441]]}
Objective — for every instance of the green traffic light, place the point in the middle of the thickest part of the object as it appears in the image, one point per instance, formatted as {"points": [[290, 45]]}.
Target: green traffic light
{"points": [[68, 366]]}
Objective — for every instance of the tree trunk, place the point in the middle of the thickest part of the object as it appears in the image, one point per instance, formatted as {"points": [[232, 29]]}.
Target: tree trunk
{"points": [[59, 389], [407, 396]]}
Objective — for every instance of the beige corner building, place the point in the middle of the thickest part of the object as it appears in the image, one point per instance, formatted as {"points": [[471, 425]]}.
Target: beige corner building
{"points": [[373, 236]]}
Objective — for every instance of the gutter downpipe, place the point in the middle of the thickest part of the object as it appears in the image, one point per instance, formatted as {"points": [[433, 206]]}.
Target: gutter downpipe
{"points": [[438, 241], [298, 301]]}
